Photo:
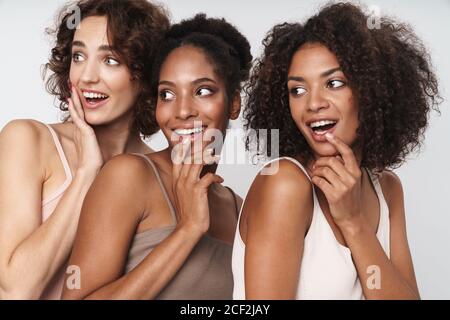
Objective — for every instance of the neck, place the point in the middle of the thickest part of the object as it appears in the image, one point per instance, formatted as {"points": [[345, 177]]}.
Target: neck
{"points": [[117, 138]]}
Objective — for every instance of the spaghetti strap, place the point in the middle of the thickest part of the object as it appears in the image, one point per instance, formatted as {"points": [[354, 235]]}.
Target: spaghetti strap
{"points": [[161, 184], [60, 152], [46, 202], [298, 165], [235, 201]]}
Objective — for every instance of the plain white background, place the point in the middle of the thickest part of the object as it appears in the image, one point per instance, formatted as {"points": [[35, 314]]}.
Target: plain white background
{"points": [[25, 47]]}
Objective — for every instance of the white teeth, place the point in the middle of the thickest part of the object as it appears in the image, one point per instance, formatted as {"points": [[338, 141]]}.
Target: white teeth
{"points": [[321, 123], [92, 95], [188, 131]]}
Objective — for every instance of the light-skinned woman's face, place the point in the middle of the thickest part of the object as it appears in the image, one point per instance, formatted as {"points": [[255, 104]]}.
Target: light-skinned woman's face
{"points": [[191, 97], [320, 99], [108, 92]]}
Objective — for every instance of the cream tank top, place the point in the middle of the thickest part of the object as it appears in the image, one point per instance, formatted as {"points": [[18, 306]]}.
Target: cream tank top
{"points": [[327, 270]]}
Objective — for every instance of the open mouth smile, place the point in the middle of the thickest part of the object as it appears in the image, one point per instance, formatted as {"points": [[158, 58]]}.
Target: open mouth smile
{"points": [[94, 99], [190, 133], [320, 128]]}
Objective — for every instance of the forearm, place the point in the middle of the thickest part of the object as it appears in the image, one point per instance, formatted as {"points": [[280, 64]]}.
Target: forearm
{"points": [[149, 277], [379, 278], [34, 262]]}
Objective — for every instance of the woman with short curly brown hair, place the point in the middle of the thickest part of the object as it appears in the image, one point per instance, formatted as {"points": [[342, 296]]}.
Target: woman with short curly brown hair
{"points": [[100, 72], [350, 102]]}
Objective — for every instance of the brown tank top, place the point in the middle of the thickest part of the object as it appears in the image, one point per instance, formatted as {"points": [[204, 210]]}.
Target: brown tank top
{"points": [[206, 273]]}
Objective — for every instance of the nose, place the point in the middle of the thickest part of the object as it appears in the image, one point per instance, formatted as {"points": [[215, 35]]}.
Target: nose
{"points": [[186, 108], [316, 100], [90, 72]]}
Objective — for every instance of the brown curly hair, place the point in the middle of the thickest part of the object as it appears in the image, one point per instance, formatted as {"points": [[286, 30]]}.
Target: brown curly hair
{"points": [[389, 72], [135, 29]]}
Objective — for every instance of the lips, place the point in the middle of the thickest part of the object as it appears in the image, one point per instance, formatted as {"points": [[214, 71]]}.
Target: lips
{"points": [[93, 99], [320, 127], [192, 133]]}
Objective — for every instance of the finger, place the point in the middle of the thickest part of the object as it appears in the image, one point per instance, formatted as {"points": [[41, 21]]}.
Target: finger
{"points": [[346, 152], [77, 102], [337, 166], [331, 176], [323, 185], [194, 159], [208, 179], [340, 159], [198, 164], [74, 114], [178, 155], [195, 170], [211, 159]]}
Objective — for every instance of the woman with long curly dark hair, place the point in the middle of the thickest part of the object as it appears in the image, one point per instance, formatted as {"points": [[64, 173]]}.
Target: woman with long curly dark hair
{"points": [[100, 72], [166, 230], [350, 103]]}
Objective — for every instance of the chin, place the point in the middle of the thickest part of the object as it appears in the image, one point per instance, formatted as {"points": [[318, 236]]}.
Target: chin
{"points": [[324, 151], [95, 120]]}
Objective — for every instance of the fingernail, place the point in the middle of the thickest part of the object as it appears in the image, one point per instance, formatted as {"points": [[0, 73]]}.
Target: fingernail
{"points": [[328, 135], [209, 150]]}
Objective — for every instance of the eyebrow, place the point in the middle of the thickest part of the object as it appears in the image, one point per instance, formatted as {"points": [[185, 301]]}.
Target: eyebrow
{"points": [[197, 81], [322, 75], [82, 45]]}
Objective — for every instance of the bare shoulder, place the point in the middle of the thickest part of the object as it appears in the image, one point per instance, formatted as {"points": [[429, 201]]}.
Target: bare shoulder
{"points": [[25, 143], [392, 190], [126, 167], [287, 178], [121, 183], [24, 131], [286, 191]]}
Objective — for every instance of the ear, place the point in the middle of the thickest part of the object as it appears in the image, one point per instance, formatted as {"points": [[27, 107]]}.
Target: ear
{"points": [[235, 109]]}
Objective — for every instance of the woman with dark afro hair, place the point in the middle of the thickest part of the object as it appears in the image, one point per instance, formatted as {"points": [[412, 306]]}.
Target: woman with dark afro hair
{"points": [[166, 230], [350, 103]]}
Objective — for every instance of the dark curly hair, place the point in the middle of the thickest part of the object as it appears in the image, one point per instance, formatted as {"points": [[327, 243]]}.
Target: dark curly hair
{"points": [[224, 45], [389, 72], [135, 29]]}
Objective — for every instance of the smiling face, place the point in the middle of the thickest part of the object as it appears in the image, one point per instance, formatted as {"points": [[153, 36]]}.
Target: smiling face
{"points": [[108, 92], [191, 97], [320, 99]]}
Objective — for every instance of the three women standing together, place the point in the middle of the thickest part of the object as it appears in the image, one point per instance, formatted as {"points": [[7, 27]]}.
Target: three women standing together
{"points": [[350, 103]]}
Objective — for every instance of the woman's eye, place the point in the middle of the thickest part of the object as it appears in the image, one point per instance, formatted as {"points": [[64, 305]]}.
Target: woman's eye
{"points": [[298, 91], [112, 61], [77, 57], [335, 84], [204, 92], [166, 95]]}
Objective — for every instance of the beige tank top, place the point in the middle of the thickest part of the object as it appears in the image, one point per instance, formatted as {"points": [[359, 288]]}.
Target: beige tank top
{"points": [[206, 273]]}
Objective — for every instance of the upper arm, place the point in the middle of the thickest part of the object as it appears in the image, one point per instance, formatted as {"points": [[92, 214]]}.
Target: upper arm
{"points": [[21, 179], [400, 254], [109, 217], [278, 209]]}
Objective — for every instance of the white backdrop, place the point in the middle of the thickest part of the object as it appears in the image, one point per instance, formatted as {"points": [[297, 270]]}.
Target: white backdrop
{"points": [[25, 47]]}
